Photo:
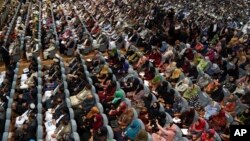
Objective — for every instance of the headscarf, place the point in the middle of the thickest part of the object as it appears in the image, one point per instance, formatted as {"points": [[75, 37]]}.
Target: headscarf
{"points": [[98, 122], [142, 135], [118, 95], [105, 70], [133, 129], [94, 110], [157, 79]]}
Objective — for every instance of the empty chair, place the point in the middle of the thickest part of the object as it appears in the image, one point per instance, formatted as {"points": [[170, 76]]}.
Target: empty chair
{"points": [[100, 107], [105, 119], [39, 132], [73, 125]]}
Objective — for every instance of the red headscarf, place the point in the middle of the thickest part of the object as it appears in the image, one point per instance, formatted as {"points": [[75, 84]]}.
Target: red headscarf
{"points": [[98, 122]]}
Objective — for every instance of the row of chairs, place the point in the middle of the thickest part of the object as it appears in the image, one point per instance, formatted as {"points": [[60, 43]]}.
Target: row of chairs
{"points": [[74, 134], [128, 101], [11, 25], [69, 51], [10, 101], [24, 32], [39, 115]]}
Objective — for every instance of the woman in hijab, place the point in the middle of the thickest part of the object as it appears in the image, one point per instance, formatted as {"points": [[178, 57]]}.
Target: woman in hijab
{"points": [[132, 130], [149, 73], [119, 110], [126, 118], [142, 135], [187, 117], [207, 135], [137, 100], [244, 117], [197, 128], [98, 122], [218, 121], [229, 104], [108, 93], [165, 134], [154, 110]]}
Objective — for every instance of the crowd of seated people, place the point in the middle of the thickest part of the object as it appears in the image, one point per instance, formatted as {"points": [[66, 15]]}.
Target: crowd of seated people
{"points": [[159, 70]]}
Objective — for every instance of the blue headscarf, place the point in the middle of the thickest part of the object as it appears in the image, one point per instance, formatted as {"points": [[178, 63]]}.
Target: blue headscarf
{"points": [[164, 46], [133, 129]]}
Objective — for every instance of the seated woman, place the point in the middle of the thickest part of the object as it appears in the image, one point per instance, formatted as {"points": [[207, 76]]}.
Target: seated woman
{"points": [[62, 132], [229, 103], [108, 92], [191, 95], [207, 135], [215, 90], [98, 122], [149, 73], [132, 130], [165, 134], [244, 117], [155, 57], [81, 96], [142, 60], [126, 118], [218, 121], [197, 128], [137, 97], [104, 72], [187, 118], [211, 109], [101, 134]]}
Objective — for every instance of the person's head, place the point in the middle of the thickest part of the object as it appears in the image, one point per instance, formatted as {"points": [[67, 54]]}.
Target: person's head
{"points": [[94, 110], [210, 133], [142, 135], [65, 122]]}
